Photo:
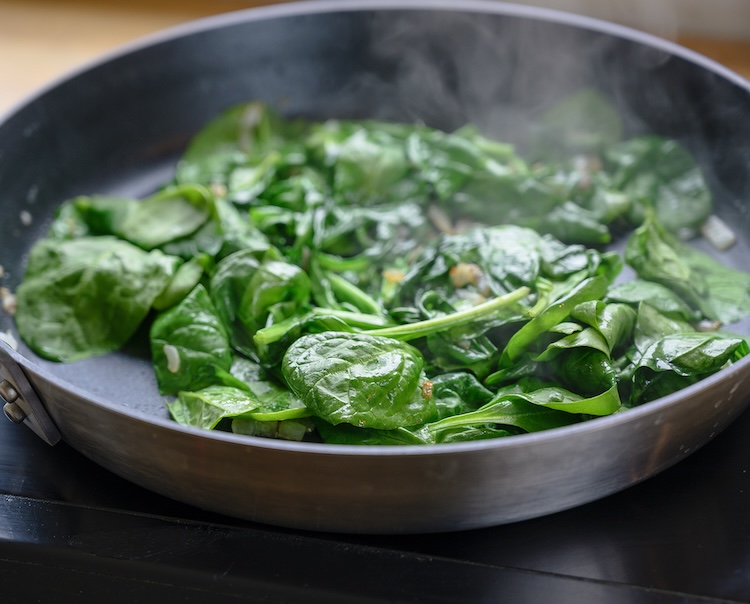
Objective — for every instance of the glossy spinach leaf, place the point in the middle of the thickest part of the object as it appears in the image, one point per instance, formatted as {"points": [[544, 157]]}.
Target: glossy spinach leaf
{"points": [[458, 392], [275, 401], [718, 292], [679, 360], [585, 371], [188, 343], [592, 288], [87, 296], [248, 288], [515, 410], [652, 325], [363, 380], [658, 296], [205, 408], [615, 322]]}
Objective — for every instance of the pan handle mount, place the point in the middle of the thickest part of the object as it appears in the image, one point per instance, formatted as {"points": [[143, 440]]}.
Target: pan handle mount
{"points": [[21, 404]]}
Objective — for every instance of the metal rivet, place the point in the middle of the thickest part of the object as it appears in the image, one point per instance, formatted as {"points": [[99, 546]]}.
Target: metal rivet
{"points": [[8, 392], [14, 413]]}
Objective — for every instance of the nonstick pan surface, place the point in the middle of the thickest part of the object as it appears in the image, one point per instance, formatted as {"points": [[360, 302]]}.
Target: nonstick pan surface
{"points": [[118, 126]]}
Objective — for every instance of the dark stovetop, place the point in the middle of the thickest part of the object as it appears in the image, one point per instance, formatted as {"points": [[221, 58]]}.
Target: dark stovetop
{"points": [[71, 531]]}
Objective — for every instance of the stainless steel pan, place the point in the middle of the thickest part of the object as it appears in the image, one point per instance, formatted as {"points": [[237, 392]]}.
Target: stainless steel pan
{"points": [[117, 127]]}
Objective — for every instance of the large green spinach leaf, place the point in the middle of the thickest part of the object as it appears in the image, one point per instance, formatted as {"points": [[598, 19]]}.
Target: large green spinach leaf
{"points": [[359, 379], [86, 297], [188, 344]]}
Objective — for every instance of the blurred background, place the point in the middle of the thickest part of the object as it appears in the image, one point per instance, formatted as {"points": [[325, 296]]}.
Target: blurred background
{"points": [[41, 40]]}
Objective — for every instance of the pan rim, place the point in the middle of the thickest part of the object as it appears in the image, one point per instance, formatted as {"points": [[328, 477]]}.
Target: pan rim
{"points": [[313, 7]]}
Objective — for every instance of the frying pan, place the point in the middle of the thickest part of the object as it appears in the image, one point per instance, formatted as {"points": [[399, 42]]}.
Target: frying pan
{"points": [[118, 126]]}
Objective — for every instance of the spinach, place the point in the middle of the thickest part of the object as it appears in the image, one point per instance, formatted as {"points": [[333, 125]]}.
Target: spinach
{"points": [[366, 282], [714, 291], [655, 295], [249, 290], [359, 379], [188, 343], [660, 173], [518, 411], [679, 360], [205, 408], [87, 296], [458, 392]]}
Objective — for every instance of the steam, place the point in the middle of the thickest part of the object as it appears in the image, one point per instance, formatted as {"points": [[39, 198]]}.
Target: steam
{"points": [[452, 68]]}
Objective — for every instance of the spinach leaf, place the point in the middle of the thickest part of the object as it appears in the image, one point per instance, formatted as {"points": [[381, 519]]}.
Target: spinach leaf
{"points": [[718, 292], [90, 215], [247, 129], [168, 215], [661, 172], [614, 322], [458, 392], [592, 288], [727, 290], [652, 325], [86, 297], [655, 295], [569, 222], [346, 434], [257, 405], [679, 360], [513, 410], [285, 429], [188, 343], [359, 379], [275, 401], [187, 276], [248, 289], [516, 410], [226, 232], [487, 261], [208, 406], [585, 371]]}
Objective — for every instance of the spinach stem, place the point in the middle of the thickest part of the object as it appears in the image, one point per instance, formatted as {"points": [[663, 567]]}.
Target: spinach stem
{"points": [[412, 331], [358, 320], [348, 292]]}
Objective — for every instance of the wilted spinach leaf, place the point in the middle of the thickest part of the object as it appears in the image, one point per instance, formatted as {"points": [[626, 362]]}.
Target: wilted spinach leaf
{"points": [[86, 297], [188, 343], [367, 381], [208, 406], [679, 360], [718, 292]]}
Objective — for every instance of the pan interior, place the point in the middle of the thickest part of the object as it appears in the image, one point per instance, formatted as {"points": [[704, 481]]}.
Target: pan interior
{"points": [[118, 128]]}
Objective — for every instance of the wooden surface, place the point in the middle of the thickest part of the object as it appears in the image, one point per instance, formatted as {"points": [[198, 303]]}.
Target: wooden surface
{"points": [[41, 40]]}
